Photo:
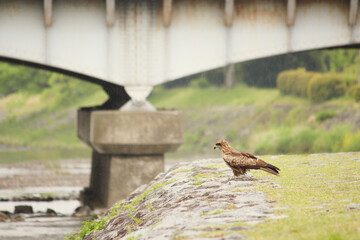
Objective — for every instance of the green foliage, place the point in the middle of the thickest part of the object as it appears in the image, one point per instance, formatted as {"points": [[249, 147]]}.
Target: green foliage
{"points": [[18, 77], [294, 82], [351, 142], [46, 119], [356, 92], [305, 139], [58, 89], [263, 72], [296, 116], [283, 141], [348, 79], [200, 83], [325, 87], [332, 140], [92, 226], [338, 60], [204, 97], [324, 115], [64, 90], [284, 79]]}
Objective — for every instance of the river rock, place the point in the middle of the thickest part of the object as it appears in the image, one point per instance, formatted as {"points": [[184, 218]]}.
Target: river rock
{"points": [[4, 216], [17, 218], [51, 212], [82, 211], [23, 209], [193, 200]]}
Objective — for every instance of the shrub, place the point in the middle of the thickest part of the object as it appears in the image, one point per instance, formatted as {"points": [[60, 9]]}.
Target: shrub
{"points": [[294, 82], [351, 142], [303, 140], [356, 92], [285, 80], [325, 114], [324, 87], [349, 80], [200, 83], [284, 140], [331, 140], [300, 85]]}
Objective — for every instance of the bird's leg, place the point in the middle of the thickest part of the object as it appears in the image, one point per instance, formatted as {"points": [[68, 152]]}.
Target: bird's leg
{"points": [[240, 177], [231, 178]]}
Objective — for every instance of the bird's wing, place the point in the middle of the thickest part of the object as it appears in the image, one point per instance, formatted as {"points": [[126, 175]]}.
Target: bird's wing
{"points": [[245, 154], [244, 159]]}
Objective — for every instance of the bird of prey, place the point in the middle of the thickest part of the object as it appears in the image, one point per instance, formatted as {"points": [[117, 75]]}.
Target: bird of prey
{"points": [[240, 162]]}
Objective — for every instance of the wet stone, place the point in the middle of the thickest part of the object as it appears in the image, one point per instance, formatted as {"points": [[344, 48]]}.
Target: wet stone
{"points": [[17, 218], [4, 217], [23, 209], [83, 211], [51, 212], [188, 201]]}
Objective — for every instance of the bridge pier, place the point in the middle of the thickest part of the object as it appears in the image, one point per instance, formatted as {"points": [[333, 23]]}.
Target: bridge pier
{"points": [[229, 75], [128, 150]]}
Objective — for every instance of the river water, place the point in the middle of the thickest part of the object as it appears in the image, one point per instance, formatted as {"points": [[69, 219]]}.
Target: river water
{"points": [[36, 174], [61, 174]]}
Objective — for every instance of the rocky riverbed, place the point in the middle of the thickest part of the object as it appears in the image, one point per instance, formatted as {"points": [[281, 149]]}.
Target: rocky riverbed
{"points": [[50, 191], [43, 184], [196, 200]]}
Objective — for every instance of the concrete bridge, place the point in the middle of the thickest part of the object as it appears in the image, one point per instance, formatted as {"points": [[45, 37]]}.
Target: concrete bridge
{"points": [[135, 45], [139, 44]]}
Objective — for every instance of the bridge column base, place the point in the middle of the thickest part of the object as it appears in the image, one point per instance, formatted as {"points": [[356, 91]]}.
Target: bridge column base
{"points": [[128, 150], [114, 177]]}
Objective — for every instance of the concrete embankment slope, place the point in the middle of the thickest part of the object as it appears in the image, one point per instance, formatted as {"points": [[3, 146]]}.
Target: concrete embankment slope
{"points": [[191, 200]]}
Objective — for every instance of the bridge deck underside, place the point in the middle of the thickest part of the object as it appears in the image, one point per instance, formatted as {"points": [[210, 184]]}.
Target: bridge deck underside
{"points": [[139, 50]]}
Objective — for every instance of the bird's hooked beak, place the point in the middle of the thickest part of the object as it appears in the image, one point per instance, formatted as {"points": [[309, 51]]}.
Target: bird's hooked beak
{"points": [[215, 147]]}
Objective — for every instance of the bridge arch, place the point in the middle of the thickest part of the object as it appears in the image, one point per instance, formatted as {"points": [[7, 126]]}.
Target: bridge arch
{"points": [[139, 44]]}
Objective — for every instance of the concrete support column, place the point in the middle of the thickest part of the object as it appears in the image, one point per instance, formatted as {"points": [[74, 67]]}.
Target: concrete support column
{"points": [[128, 150], [229, 75]]}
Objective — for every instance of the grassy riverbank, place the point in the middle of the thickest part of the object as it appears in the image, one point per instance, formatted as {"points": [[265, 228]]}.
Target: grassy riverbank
{"points": [[262, 120], [44, 120], [253, 119], [319, 194]]}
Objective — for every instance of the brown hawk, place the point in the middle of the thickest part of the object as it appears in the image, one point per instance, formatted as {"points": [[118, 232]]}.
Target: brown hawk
{"points": [[240, 162]]}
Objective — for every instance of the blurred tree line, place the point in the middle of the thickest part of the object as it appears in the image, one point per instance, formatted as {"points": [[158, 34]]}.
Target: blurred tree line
{"points": [[58, 87], [263, 72], [259, 73], [16, 77]]}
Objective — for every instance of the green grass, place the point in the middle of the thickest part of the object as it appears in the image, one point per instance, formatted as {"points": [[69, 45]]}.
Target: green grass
{"points": [[93, 226], [274, 123], [313, 198], [306, 139], [211, 96], [315, 193], [41, 121]]}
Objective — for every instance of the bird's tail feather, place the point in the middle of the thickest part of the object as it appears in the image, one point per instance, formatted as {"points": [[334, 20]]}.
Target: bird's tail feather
{"points": [[271, 169]]}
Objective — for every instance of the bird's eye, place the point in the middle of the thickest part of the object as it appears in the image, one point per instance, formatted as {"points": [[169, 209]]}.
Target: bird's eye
{"points": [[218, 144]]}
